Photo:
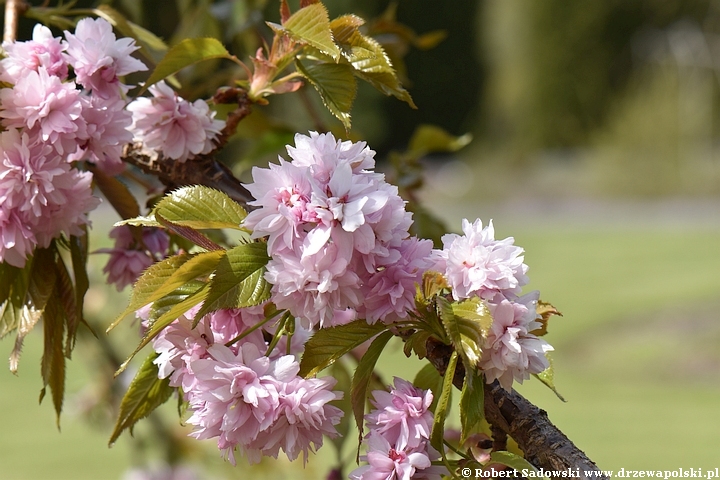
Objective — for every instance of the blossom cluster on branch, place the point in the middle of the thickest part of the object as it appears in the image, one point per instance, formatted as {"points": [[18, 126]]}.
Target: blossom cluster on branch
{"points": [[66, 102]]}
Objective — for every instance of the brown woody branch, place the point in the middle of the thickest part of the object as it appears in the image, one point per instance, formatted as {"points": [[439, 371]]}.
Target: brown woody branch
{"points": [[544, 445], [202, 169], [13, 9]]}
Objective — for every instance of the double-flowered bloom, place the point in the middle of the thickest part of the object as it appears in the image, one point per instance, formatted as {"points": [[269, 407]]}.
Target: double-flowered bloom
{"points": [[337, 234], [251, 402]]}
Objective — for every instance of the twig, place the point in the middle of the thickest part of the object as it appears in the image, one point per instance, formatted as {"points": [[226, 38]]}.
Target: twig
{"points": [[544, 445], [13, 9]]}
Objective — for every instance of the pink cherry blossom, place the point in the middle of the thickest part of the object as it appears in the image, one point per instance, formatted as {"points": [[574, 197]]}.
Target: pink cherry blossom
{"points": [[128, 259], [44, 104], [477, 264], [43, 50], [402, 416], [171, 125], [390, 290], [386, 462], [107, 132], [42, 196], [99, 59], [511, 351]]}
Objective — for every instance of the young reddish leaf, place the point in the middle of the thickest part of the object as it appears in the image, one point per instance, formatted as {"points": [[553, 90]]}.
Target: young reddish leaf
{"points": [[284, 11], [472, 402], [188, 233], [335, 84], [188, 52], [312, 26], [362, 376], [145, 393], [79, 257], [328, 344]]}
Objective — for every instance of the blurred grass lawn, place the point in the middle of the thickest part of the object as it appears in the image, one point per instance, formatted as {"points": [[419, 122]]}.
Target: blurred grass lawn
{"points": [[637, 357]]}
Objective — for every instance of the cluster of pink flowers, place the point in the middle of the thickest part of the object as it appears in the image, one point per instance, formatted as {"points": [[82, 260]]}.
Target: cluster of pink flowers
{"points": [[250, 401], [173, 126], [337, 234], [51, 121], [398, 444], [475, 264], [130, 256]]}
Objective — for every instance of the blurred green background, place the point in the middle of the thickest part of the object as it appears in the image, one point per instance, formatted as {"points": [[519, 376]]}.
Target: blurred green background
{"points": [[596, 128]]}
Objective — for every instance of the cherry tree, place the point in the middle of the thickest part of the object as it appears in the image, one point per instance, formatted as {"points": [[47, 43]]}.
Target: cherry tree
{"points": [[325, 261]]}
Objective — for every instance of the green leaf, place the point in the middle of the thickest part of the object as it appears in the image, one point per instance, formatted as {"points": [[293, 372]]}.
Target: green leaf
{"points": [[149, 282], [200, 207], [145, 393], [188, 52], [547, 377], [312, 26], [167, 317], [239, 279], [79, 257], [472, 402], [466, 324], [335, 84], [362, 376], [340, 372], [431, 138], [344, 27], [428, 378], [328, 344], [513, 461], [438, 428]]}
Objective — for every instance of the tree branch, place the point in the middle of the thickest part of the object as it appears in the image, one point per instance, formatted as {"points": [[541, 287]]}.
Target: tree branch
{"points": [[13, 9], [544, 445]]}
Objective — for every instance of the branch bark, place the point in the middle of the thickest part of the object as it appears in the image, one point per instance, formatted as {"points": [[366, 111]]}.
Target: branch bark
{"points": [[13, 9], [544, 445]]}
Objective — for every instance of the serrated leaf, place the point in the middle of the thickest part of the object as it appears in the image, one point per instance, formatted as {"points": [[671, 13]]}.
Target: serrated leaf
{"points": [[428, 378], [417, 343], [328, 344], [8, 273], [312, 26], [513, 461], [200, 207], [11, 308], [188, 52], [362, 376], [472, 402], [66, 296], [149, 282], [336, 85], [139, 221], [545, 310], [166, 319], [466, 324], [547, 377], [188, 233], [438, 428], [145, 393], [239, 279], [431, 138], [433, 283], [345, 26]]}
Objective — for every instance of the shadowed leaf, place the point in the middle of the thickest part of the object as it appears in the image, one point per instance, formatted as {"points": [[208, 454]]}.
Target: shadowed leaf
{"points": [[188, 52], [145, 393], [335, 84], [328, 344]]}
